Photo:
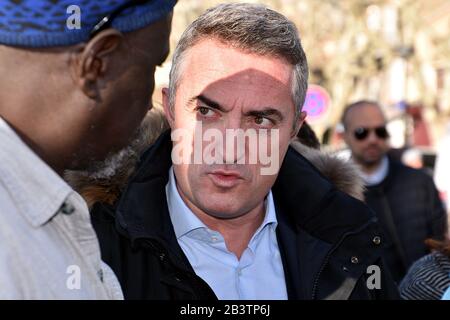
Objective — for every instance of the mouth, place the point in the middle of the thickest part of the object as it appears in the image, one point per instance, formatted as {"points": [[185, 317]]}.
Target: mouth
{"points": [[373, 152], [225, 179], [372, 149]]}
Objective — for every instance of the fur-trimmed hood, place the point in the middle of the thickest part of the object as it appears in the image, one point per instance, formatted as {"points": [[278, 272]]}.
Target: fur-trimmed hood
{"points": [[345, 175], [105, 181]]}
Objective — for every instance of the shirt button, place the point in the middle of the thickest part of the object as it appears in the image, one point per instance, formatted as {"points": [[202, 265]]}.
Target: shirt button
{"points": [[239, 272], [214, 239], [376, 240], [67, 208], [354, 260]]}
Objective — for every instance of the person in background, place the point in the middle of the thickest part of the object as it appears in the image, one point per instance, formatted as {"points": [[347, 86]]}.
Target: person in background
{"points": [[69, 96], [405, 199]]}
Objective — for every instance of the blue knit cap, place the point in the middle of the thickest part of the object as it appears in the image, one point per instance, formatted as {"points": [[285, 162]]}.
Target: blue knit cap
{"points": [[43, 23]]}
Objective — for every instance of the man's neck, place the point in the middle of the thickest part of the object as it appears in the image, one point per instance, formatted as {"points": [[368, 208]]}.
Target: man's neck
{"points": [[36, 147], [237, 232], [376, 173], [370, 169]]}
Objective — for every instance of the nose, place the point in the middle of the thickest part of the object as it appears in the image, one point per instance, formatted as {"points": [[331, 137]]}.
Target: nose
{"points": [[377, 138], [235, 144], [372, 137]]}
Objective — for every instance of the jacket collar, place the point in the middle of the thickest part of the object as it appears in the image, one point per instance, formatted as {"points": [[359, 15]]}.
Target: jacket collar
{"points": [[305, 196], [147, 216]]}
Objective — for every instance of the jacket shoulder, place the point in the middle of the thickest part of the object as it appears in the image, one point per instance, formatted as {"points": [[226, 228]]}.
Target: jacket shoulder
{"points": [[315, 203], [408, 174], [344, 174]]}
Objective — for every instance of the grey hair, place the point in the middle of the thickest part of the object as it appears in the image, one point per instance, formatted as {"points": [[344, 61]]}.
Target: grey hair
{"points": [[252, 28]]}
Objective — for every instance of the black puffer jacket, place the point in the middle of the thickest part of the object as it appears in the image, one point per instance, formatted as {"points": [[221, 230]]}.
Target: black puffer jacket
{"points": [[327, 239], [408, 207]]}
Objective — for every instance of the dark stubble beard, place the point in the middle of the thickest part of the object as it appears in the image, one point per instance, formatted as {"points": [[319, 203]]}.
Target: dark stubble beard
{"points": [[104, 169], [369, 164]]}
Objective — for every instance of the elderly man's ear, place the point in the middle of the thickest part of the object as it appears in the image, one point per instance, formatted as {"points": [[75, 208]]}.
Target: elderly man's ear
{"points": [[93, 61]]}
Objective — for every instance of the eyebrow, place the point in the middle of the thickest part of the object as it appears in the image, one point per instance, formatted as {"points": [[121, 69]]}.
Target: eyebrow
{"points": [[210, 103], [265, 113], [255, 113]]}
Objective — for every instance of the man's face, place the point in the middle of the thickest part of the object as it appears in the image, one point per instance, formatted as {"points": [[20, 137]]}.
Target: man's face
{"points": [[220, 89], [126, 94], [370, 150]]}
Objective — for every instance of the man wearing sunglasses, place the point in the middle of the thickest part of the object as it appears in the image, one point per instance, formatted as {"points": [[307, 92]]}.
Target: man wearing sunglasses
{"points": [[404, 199], [70, 94]]}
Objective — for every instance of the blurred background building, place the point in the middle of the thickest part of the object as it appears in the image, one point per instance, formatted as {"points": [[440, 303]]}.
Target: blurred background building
{"points": [[394, 51]]}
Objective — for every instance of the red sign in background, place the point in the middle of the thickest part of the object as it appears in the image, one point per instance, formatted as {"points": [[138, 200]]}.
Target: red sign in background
{"points": [[317, 103]]}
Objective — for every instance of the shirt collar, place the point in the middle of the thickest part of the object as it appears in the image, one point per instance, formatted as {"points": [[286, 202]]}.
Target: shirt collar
{"points": [[38, 190], [270, 216], [378, 175], [185, 221]]}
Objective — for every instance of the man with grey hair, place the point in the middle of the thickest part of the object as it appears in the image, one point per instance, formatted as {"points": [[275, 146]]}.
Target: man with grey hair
{"points": [[199, 220]]}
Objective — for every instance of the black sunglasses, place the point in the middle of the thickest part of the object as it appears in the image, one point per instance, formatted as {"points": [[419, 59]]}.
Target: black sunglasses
{"points": [[362, 133], [106, 21]]}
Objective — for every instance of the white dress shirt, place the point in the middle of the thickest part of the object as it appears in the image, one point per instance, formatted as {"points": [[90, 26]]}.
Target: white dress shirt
{"points": [[257, 275]]}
